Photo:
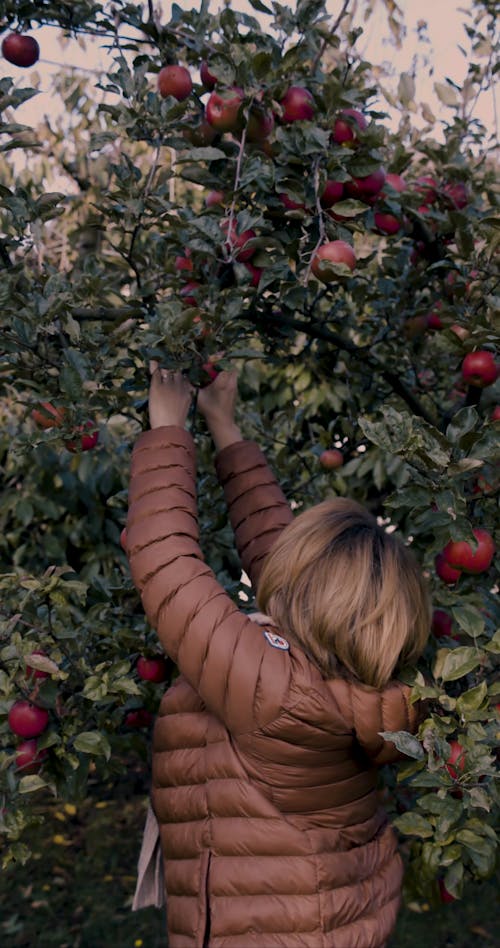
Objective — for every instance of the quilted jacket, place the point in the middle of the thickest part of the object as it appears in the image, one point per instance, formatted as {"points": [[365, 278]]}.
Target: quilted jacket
{"points": [[264, 772]]}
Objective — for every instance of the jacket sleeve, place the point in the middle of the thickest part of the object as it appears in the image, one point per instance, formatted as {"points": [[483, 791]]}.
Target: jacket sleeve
{"points": [[258, 509], [388, 710], [217, 648]]}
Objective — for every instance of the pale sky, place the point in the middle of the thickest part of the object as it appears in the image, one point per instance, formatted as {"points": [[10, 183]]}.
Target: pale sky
{"points": [[445, 32]]}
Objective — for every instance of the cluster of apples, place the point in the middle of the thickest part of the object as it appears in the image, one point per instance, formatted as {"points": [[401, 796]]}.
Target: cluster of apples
{"points": [[155, 670], [49, 416], [27, 720], [459, 557]]}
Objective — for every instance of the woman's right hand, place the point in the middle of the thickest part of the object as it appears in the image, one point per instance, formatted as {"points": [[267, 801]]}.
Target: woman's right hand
{"points": [[216, 403]]}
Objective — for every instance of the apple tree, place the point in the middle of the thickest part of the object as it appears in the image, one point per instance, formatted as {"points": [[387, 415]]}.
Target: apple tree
{"points": [[231, 193]]}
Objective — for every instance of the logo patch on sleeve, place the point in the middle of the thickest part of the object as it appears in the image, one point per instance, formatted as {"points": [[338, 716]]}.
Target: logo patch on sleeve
{"points": [[277, 641]]}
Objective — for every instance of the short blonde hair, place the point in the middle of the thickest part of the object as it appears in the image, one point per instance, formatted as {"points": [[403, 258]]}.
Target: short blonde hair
{"points": [[349, 593]]}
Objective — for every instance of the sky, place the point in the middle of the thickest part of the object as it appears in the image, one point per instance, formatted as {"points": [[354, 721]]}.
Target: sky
{"points": [[445, 32]]}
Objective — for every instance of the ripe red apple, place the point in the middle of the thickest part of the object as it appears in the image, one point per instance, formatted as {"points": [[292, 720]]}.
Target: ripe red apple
{"points": [[235, 244], [27, 719], [28, 758], [460, 331], [176, 81], [460, 555], [433, 318], [211, 371], [139, 718], [335, 252], [184, 262], [298, 105], [255, 273], [456, 194], [445, 571], [213, 198], [396, 182], [457, 758], [289, 204], [87, 441], [495, 415], [479, 368], [48, 416], [187, 292], [442, 624], [344, 131], [152, 669], [331, 459], [35, 672], [20, 50], [427, 186], [387, 223], [207, 78], [260, 124], [444, 894], [332, 193], [223, 110], [368, 186]]}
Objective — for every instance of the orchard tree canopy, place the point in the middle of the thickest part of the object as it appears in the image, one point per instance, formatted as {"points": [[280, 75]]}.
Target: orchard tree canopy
{"points": [[231, 194]]}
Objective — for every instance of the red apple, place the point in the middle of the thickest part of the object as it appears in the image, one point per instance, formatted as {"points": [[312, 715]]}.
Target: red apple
{"points": [[152, 669], [87, 441], [445, 571], [495, 415], [260, 124], [387, 223], [20, 50], [175, 81], [184, 262], [433, 317], [460, 331], [28, 758], [331, 459], [27, 719], [335, 252], [298, 105], [235, 244], [479, 368], [48, 416], [289, 204], [444, 894], [457, 757], [442, 624], [368, 186], [139, 718], [207, 78], [344, 131], [255, 273], [187, 292], [332, 193], [214, 198], [35, 672], [456, 194], [460, 555], [427, 186], [223, 110], [211, 371], [396, 182]]}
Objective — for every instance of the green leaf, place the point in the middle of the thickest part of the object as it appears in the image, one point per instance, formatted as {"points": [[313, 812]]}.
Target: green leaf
{"points": [[473, 699], [451, 664], [413, 824], [469, 619], [92, 742], [31, 783], [462, 422], [261, 7], [405, 743]]}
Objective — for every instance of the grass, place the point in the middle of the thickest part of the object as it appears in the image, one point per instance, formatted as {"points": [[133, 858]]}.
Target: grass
{"points": [[77, 890]]}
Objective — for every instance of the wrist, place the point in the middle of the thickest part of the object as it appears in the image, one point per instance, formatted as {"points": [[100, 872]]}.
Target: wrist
{"points": [[224, 435]]}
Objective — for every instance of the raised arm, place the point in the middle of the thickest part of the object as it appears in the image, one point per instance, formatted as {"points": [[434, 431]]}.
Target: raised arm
{"points": [[236, 673], [258, 509]]}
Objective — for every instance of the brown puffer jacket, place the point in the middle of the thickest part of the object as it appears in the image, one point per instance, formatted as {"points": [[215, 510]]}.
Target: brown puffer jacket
{"points": [[263, 772]]}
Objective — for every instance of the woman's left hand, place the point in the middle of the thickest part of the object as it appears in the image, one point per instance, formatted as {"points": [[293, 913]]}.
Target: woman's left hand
{"points": [[170, 396]]}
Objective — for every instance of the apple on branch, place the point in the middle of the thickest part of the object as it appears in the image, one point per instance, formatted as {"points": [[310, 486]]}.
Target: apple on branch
{"points": [[333, 260], [344, 129], [479, 368], [152, 669], [223, 110], [27, 719], [460, 555], [20, 50], [331, 459], [298, 105], [175, 81]]}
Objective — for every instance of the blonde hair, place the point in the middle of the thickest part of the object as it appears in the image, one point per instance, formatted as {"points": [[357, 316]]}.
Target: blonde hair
{"points": [[351, 594]]}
